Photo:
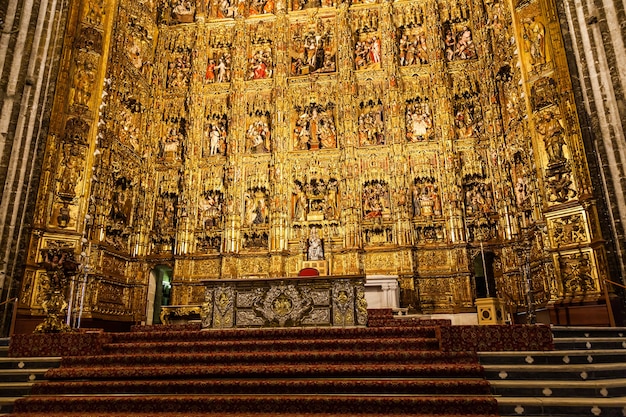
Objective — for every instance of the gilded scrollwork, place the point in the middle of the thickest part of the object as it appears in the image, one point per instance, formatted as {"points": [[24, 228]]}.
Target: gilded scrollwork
{"points": [[569, 230]]}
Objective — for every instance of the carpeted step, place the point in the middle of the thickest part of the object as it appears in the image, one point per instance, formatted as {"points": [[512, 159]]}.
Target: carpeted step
{"points": [[407, 322], [271, 371], [379, 386], [243, 414], [402, 405], [365, 343], [269, 358], [318, 333]]}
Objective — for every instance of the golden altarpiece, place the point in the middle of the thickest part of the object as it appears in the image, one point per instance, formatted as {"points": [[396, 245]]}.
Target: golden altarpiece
{"points": [[219, 137]]}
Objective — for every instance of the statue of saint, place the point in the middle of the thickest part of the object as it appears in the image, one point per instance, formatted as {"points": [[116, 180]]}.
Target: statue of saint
{"points": [[316, 251]]}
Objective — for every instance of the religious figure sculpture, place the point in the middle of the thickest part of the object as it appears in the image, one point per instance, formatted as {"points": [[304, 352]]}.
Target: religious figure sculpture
{"points": [[550, 127], [316, 250], [534, 42]]}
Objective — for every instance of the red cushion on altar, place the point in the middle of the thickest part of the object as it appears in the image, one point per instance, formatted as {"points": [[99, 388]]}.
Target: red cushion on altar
{"points": [[309, 272]]}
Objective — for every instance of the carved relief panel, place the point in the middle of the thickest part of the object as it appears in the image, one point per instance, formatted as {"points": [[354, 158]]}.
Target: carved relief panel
{"points": [[216, 128], [413, 46], [219, 44], [367, 45], [260, 54], [313, 46]]}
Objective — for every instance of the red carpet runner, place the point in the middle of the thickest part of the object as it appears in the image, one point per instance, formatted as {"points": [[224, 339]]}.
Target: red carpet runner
{"points": [[375, 371]]}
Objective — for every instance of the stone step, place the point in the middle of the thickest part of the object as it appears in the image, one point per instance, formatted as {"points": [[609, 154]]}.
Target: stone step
{"points": [[557, 406], [586, 343], [15, 389], [555, 372], [6, 404], [552, 388], [565, 357], [560, 332]]}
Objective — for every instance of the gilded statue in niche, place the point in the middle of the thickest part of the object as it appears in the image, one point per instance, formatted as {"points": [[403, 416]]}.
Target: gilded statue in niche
{"points": [[258, 133], [458, 43], [454, 11], [313, 48], [215, 135], [84, 77], [376, 203], [71, 169], [315, 251], [314, 127], [521, 179], [256, 207], [419, 121], [371, 127], [550, 127], [121, 203], [534, 36]]}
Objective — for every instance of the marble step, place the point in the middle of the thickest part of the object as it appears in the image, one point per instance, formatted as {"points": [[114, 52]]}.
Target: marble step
{"points": [[586, 332], [582, 372], [566, 357], [589, 343], [15, 389], [22, 375], [606, 388], [557, 406], [29, 363]]}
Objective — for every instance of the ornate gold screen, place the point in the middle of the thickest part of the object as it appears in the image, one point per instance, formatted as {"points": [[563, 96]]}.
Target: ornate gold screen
{"points": [[410, 137]]}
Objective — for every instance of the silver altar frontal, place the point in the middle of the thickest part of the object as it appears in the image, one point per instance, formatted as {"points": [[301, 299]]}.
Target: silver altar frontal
{"points": [[285, 302]]}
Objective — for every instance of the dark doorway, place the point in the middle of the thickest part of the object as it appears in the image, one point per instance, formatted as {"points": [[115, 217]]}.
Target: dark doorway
{"points": [[159, 292], [483, 274]]}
